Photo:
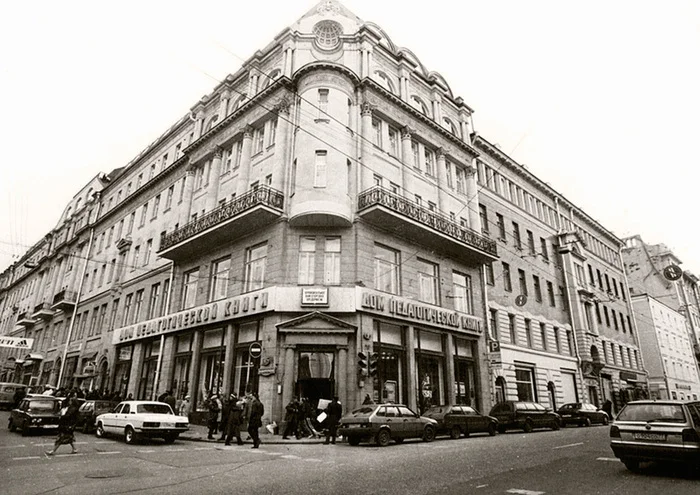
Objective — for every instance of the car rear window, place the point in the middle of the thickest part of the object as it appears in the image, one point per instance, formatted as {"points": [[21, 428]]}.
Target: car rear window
{"points": [[362, 412], [670, 413], [42, 405], [154, 409]]}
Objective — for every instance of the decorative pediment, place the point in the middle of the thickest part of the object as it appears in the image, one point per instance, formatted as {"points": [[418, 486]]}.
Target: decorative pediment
{"points": [[124, 243], [316, 322], [572, 242]]}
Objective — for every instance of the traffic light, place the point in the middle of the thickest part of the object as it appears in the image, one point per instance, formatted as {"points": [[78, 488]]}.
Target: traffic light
{"points": [[373, 363], [362, 363]]}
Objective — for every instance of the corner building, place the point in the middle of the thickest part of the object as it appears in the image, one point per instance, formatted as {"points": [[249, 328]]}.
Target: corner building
{"points": [[307, 219]]}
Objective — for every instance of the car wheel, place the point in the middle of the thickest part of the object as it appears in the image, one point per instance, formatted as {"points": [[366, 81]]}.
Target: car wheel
{"points": [[605, 420], [455, 432], [492, 430], [631, 464], [129, 434], [100, 431], [354, 441], [555, 424], [11, 426], [527, 427], [429, 434], [383, 438], [170, 438], [587, 421], [501, 429], [398, 440]]}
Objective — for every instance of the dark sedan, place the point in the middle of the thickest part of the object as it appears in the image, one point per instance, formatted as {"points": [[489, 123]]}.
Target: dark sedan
{"points": [[89, 410], [582, 414], [457, 420], [35, 413], [524, 415]]}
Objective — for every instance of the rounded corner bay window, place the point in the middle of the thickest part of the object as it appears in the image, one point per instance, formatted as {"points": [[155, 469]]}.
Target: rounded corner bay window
{"points": [[327, 35]]}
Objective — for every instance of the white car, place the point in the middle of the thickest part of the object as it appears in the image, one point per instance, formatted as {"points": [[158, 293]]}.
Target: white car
{"points": [[138, 418]]}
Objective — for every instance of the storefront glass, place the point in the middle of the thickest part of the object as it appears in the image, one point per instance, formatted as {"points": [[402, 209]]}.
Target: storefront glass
{"points": [[430, 366], [244, 377], [181, 369], [389, 385], [465, 371], [148, 370]]}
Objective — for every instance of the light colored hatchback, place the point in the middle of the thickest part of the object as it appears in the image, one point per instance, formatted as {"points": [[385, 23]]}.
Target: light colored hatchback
{"points": [[657, 430]]}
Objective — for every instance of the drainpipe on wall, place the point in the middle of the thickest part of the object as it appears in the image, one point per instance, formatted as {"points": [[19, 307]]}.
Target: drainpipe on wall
{"points": [[573, 326], [156, 382], [489, 337], [80, 290]]}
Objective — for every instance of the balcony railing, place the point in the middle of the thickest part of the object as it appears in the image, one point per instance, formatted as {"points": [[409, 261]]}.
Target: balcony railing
{"points": [[261, 196], [63, 299], [42, 310], [25, 319], [378, 196]]}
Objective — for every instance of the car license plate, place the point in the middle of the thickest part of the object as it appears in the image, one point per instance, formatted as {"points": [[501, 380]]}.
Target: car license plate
{"points": [[654, 437], [169, 425]]}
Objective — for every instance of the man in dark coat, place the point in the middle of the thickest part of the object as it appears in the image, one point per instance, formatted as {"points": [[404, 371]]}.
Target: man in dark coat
{"points": [[213, 419], [335, 412], [256, 413], [292, 411], [169, 399], [234, 419]]}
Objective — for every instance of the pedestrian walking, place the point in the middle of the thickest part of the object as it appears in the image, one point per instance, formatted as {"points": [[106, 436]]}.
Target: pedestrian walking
{"points": [[213, 419], [234, 420], [185, 407], [66, 427], [607, 407], [292, 411], [335, 412], [257, 409], [170, 400], [225, 409]]}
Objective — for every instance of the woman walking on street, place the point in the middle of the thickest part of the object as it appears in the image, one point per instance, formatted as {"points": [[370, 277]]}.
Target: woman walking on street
{"points": [[66, 427]]}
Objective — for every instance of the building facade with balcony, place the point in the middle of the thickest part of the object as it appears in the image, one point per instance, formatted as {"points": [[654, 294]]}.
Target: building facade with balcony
{"points": [[667, 349], [559, 309]]}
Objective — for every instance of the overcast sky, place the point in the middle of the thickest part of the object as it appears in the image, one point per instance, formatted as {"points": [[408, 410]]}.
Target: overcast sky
{"points": [[601, 99]]}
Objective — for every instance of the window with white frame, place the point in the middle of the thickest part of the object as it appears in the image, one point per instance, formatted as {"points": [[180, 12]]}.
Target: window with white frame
{"points": [[258, 139], [272, 132], [189, 288], [331, 261], [525, 383], [307, 260], [460, 179], [323, 104], [386, 269], [448, 173], [429, 161], [320, 168], [256, 258], [462, 292], [415, 149], [428, 279], [376, 132], [237, 152], [394, 141], [218, 282]]}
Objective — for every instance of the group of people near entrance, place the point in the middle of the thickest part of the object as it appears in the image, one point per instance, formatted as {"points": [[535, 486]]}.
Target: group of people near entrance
{"points": [[299, 414], [229, 415]]}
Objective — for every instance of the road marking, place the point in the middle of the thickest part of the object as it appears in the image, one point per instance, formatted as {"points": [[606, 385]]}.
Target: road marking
{"points": [[565, 446], [68, 455], [482, 486], [273, 453], [313, 460], [103, 441], [182, 450], [198, 448], [611, 459], [524, 492], [25, 458], [290, 456], [145, 451], [108, 453], [12, 446]]}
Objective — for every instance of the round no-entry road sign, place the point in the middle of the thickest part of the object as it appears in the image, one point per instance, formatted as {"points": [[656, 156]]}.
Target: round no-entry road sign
{"points": [[255, 350]]}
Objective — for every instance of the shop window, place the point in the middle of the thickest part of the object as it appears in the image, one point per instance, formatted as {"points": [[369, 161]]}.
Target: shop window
{"points": [[256, 259], [462, 293], [465, 373], [525, 384], [386, 269], [388, 384]]}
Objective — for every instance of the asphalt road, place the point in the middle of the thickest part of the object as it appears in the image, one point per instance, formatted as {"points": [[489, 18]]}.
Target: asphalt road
{"points": [[570, 461]]}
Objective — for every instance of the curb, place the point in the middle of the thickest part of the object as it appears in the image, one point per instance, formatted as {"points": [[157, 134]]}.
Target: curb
{"points": [[263, 441]]}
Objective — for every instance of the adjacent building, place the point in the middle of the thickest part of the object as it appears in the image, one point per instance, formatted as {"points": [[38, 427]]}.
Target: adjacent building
{"points": [[326, 222]]}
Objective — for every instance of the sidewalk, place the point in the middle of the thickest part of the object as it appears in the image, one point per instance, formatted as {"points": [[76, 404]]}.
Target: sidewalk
{"points": [[198, 433]]}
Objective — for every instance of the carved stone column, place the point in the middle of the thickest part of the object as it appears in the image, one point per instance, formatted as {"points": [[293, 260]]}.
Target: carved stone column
{"points": [[407, 155], [279, 168], [246, 150], [288, 390], [186, 207], [230, 338], [342, 385], [194, 391], [442, 178], [214, 179], [473, 198], [366, 146]]}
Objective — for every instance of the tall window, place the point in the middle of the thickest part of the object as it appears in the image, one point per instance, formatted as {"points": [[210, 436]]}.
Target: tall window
{"points": [[169, 197], [386, 269], [528, 332], [135, 262], [525, 383], [307, 260], [127, 310], [531, 242], [256, 258], [218, 283], [557, 341], [537, 288], [550, 294], [320, 168], [570, 341], [512, 329], [493, 322], [331, 261], [154, 301], [393, 141], [323, 104], [237, 152], [138, 303], [516, 236], [428, 278], [144, 214], [377, 132], [113, 316], [258, 139], [483, 216], [543, 245], [490, 278], [448, 174], [507, 284], [415, 149], [543, 336], [522, 281], [501, 226], [462, 292], [147, 252], [189, 288], [429, 162], [156, 205]]}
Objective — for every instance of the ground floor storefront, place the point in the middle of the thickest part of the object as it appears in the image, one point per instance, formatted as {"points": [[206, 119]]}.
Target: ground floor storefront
{"points": [[353, 343]]}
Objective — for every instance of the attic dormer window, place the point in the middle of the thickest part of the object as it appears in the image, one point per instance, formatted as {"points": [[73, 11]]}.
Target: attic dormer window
{"points": [[327, 35]]}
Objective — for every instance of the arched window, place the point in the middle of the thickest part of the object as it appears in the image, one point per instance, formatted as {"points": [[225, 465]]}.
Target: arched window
{"points": [[552, 391], [385, 81], [595, 355], [268, 78], [211, 123], [241, 99], [420, 105], [450, 126], [500, 389]]}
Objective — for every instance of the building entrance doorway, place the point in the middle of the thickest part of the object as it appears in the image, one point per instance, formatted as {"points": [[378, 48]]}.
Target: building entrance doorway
{"points": [[316, 376]]}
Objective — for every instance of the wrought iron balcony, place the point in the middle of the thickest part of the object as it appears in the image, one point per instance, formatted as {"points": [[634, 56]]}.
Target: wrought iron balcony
{"points": [[25, 320], [42, 310], [65, 299], [409, 219], [249, 212]]}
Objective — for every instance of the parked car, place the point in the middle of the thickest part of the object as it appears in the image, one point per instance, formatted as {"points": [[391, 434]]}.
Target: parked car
{"points": [[385, 422], [134, 419], [89, 410], [35, 413], [582, 414], [7, 393], [657, 430], [457, 420], [524, 416]]}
